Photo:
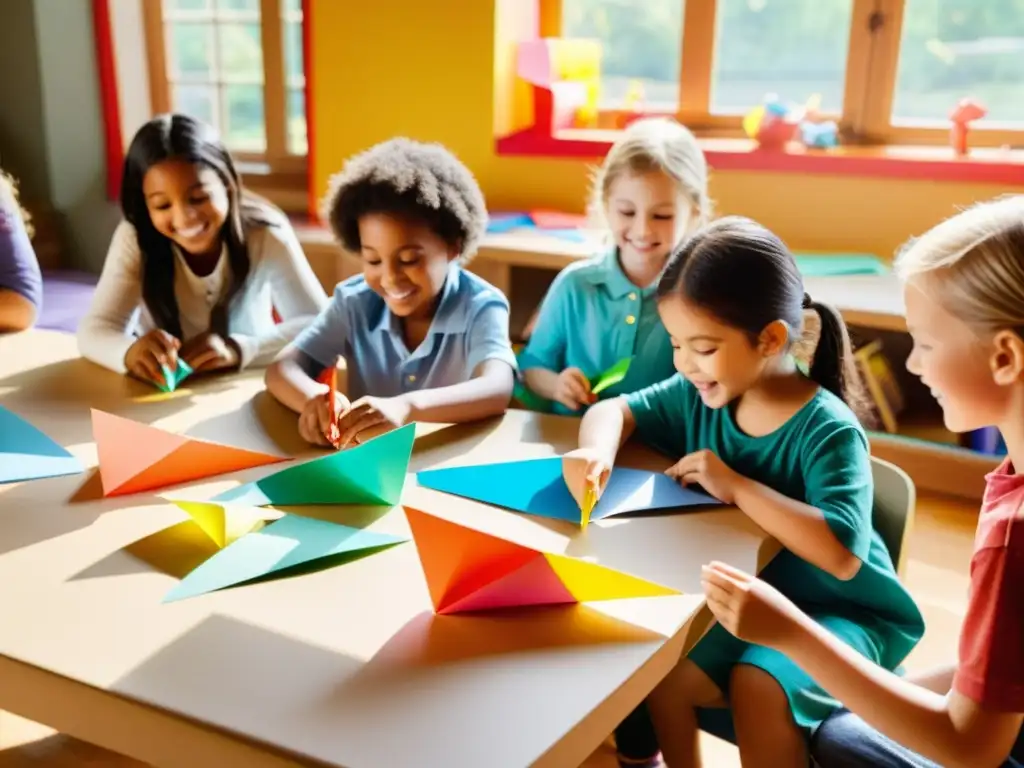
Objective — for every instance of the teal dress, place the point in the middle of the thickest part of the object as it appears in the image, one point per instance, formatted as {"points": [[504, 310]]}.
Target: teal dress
{"points": [[820, 457], [591, 318]]}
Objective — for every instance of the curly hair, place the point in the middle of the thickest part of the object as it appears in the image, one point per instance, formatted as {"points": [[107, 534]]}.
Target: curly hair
{"points": [[423, 182], [9, 199]]}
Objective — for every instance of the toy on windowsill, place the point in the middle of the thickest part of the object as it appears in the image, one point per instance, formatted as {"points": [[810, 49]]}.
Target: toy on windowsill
{"points": [[566, 76], [815, 131], [964, 113], [772, 124]]}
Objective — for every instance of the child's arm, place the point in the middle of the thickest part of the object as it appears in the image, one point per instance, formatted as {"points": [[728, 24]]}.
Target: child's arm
{"points": [[16, 312], [487, 393], [975, 724], [295, 292], [21, 283], [291, 379], [103, 333], [831, 530]]}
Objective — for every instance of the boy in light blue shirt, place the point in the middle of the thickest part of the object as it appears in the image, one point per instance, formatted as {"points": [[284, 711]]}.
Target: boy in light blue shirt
{"points": [[652, 192], [423, 340]]}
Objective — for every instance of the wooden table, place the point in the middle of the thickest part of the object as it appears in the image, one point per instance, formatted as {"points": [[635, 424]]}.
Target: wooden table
{"points": [[343, 667]]}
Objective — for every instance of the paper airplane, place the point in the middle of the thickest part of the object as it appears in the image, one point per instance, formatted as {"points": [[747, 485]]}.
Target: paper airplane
{"points": [[28, 454], [225, 523], [469, 570], [372, 473], [136, 457], [277, 549], [536, 487]]}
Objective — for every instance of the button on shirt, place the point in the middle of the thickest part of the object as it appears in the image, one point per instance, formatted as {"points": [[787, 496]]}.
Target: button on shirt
{"points": [[469, 327], [591, 318]]}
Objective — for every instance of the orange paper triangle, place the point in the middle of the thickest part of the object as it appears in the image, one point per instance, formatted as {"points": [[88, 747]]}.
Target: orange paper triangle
{"points": [[469, 570], [136, 457]]}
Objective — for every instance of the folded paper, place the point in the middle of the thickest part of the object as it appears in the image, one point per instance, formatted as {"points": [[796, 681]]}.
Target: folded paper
{"points": [[28, 454], [372, 473], [173, 378], [278, 550], [469, 570], [536, 487], [136, 457], [225, 523], [611, 377]]}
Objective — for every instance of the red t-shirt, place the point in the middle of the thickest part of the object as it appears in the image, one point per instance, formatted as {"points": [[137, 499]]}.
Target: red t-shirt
{"points": [[991, 667]]}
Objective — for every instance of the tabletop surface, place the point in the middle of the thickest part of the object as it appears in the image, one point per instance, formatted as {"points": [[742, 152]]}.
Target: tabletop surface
{"points": [[347, 666]]}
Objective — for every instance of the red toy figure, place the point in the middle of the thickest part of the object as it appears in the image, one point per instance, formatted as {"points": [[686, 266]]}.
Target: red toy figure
{"points": [[965, 112]]}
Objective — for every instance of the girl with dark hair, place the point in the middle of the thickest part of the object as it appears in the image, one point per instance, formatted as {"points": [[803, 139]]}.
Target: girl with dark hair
{"points": [[198, 266], [748, 425]]}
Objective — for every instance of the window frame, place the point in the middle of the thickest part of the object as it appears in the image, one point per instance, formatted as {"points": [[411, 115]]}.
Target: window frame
{"points": [[868, 90], [277, 172]]}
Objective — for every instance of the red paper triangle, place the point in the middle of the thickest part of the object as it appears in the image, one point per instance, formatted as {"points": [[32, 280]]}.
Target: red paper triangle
{"points": [[534, 583]]}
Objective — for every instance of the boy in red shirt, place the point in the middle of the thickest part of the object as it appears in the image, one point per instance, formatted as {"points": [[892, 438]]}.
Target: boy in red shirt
{"points": [[964, 293]]}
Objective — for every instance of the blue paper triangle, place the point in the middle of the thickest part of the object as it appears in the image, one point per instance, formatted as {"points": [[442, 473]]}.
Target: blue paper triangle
{"points": [[28, 454], [284, 544], [372, 473], [536, 487]]}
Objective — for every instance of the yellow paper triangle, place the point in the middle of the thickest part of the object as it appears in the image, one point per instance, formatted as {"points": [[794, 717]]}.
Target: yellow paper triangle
{"points": [[589, 581], [225, 523]]}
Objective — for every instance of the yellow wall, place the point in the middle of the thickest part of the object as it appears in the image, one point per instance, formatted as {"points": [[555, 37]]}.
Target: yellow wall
{"points": [[424, 69]]}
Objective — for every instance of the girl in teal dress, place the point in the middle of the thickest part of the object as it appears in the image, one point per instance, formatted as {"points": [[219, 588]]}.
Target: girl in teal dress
{"points": [[745, 423]]}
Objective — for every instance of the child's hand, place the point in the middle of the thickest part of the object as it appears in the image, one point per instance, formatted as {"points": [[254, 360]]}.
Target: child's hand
{"points": [[151, 354], [315, 421], [572, 389], [210, 352], [705, 469], [749, 608], [372, 416], [583, 468]]}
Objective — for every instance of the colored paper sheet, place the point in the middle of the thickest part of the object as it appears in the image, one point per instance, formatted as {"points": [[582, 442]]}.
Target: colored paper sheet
{"points": [[499, 223], [611, 377], [536, 487], [545, 219], [278, 548], [136, 457], [469, 570], [28, 454], [589, 502], [372, 473], [173, 379], [837, 264], [225, 523]]}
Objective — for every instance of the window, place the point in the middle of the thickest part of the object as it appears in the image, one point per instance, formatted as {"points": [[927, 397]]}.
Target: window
{"points": [[238, 65], [888, 70]]}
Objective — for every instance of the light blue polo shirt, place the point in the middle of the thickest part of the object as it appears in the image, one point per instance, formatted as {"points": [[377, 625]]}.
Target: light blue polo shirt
{"points": [[469, 327], [591, 318]]}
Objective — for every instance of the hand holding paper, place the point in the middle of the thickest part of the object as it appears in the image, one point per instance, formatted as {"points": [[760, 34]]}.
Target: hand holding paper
{"points": [[586, 474]]}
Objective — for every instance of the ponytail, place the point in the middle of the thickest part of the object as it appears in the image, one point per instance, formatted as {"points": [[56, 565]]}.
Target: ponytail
{"points": [[833, 366]]}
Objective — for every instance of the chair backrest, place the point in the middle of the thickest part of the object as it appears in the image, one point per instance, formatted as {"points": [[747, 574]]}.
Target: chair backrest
{"points": [[895, 498]]}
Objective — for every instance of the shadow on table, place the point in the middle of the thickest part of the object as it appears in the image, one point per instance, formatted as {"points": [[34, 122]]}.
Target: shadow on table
{"points": [[429, 640]]}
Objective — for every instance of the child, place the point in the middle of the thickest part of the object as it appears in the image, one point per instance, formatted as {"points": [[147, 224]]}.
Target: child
{"points": [[651, 191], [964, 292], [21, 283], [198, 266], [423, 339], [750, 428]]}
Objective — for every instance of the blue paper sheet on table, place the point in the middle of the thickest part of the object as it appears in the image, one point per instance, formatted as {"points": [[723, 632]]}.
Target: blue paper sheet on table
{"points": [[28, 454], [500, 223], [536, 487]]}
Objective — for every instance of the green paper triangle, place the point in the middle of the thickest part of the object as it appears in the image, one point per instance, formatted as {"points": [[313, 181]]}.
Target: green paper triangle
{"points": [[282, 548], [373, 473], [611, 377]]}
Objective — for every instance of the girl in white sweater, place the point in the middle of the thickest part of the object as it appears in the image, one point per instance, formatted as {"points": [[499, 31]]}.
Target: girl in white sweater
{"points": [[198, 267]]}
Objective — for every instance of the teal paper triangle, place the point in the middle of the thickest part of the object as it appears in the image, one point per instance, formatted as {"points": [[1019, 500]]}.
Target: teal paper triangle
{"points": [[182, 372], [373, 473], [28, 454], [281, 546]]}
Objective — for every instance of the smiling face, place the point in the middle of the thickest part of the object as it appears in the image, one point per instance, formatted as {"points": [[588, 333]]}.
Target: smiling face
{"points": [[720, 360], [405, 262], [188, 204], [648, 216], [958, 364]]}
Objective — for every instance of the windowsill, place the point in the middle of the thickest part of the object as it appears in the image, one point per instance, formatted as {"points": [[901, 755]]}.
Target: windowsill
{"points": [[925, 163], [288, 190]]}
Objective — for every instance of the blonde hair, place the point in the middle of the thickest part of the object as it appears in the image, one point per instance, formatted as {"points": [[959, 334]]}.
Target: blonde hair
{"points": [[973, 264], [9, 200], [655, 144]]}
